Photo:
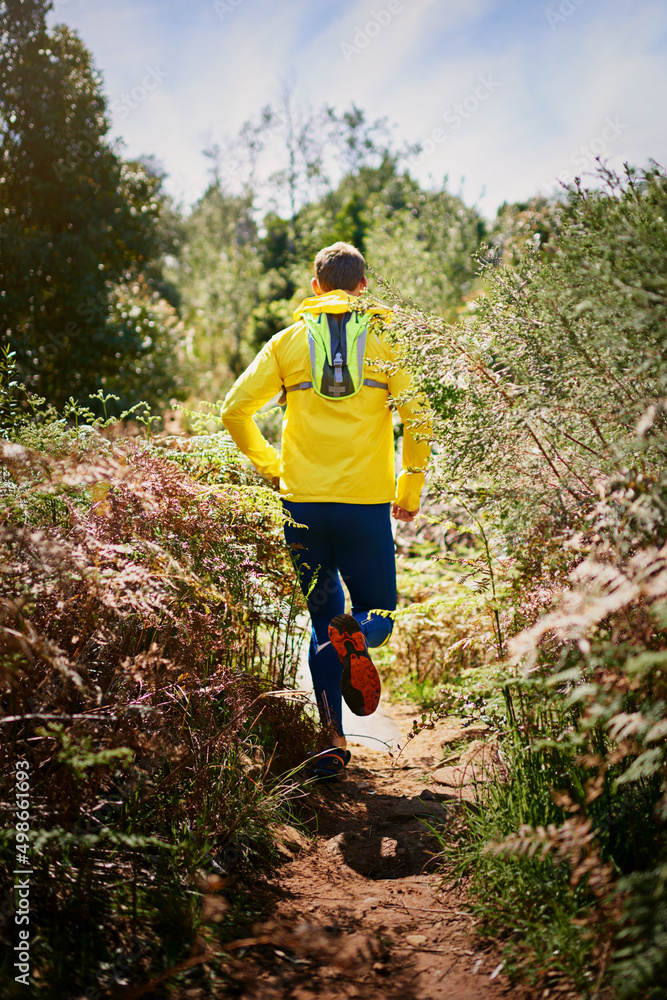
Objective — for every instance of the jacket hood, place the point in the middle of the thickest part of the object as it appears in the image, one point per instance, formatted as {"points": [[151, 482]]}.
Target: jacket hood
{"points": [[338, 301]]}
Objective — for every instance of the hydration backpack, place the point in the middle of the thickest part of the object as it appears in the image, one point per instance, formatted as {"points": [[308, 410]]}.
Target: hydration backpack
{"points": [[337, 346]]}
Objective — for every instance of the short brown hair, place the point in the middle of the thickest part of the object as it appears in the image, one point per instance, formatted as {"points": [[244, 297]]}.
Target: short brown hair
{"points": [[339, 266]]}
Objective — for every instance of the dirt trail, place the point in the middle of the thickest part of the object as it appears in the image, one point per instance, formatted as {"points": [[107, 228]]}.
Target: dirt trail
{"points": [[358, 912]]}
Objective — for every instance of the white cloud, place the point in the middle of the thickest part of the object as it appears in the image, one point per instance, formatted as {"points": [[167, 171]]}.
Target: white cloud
{"points": [[557, 92], [557, 86]]}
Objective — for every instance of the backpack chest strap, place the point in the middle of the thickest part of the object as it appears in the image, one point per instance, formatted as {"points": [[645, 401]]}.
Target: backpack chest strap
{"points": [[370, 382]]}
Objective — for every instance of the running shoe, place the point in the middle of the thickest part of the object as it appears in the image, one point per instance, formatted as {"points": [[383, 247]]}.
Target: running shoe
{"points": [[330, 763], [360, 683]]}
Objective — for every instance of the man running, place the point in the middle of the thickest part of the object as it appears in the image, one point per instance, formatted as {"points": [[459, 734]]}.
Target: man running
{"points": [[336, 474]]}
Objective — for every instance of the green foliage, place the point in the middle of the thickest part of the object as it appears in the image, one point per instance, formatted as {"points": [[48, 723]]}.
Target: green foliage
{"points": [[640, 965], [424, 239], [427, 246], [454, 607], [359, 143], [217, 277], [147, 605], [154, 354], [79, 756], [10, 390], [147, 611], [535, 384], [239, 283], [76, 219], [548, 404]]}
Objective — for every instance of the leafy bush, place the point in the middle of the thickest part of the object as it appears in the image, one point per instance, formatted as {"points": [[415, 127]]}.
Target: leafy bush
{"points": [[548, 401], [77, 226], [453, 610], [146, 611]]}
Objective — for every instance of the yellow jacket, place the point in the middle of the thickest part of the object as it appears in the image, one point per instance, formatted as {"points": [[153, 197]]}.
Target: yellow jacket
{"points": [[339, 451]]}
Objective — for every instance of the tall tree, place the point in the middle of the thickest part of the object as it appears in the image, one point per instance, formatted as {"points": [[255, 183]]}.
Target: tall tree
{"points": [[217, 278], [75, 220]]}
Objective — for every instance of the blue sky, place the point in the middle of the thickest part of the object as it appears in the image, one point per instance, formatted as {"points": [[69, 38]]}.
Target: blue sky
{"points": [[504, 95]]}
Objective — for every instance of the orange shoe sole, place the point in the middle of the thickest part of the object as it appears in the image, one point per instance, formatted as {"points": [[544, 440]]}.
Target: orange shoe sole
{"points": [[360, 683]]}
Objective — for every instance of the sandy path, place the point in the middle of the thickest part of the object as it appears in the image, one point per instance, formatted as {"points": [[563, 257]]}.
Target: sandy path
{"points": [[358, 911]]}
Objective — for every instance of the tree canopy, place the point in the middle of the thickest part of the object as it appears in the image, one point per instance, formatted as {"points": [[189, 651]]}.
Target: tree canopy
{"points": [[105, 283], [77, 221]]}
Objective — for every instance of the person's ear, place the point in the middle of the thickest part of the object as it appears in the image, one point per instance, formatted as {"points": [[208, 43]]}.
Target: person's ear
{"points": [[315, 285], [363, 284]]}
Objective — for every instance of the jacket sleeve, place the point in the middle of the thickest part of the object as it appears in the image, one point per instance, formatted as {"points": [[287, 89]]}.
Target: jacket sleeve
{"points": [[415, 453], [260, 382]]}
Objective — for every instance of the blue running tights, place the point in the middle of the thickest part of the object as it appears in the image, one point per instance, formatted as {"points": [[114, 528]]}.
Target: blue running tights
{"points": [[355, 542]]}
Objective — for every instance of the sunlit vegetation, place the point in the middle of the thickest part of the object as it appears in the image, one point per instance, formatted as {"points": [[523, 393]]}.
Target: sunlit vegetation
{"points": [[551, 444], [147, 608]]}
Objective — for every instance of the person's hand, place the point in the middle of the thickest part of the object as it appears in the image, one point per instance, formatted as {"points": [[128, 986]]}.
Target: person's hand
{"points": [[400, 514]]}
